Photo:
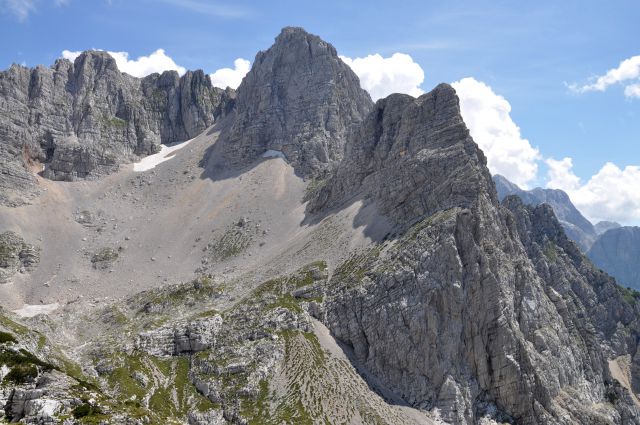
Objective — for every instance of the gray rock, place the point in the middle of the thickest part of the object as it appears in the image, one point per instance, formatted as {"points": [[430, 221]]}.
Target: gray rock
{"points": [[412, 156], [577, 227], [617, 251], [477, 311], [299, 99], [82, 119], [180, 338], [16, 256]]}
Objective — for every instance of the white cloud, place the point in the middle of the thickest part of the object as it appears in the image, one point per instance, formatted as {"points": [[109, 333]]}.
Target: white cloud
{"points": [[60, 3], [227, 77], [383, 76], [560, 175], [157, 61], [487, 116], [628, 69], [632, 90], [611, 194], [19, 8]]}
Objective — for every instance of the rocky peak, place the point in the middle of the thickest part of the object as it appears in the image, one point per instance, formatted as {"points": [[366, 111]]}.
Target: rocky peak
{"points": [[414, 156], [299, 98], [83, 119], [95, 62]]}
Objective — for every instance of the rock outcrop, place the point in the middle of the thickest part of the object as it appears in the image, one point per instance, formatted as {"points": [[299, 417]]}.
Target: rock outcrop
{"points": [[82, 119], [299, 99], [577, 227], [412, 156], [16, 256], [617, 251], [468, 312]]}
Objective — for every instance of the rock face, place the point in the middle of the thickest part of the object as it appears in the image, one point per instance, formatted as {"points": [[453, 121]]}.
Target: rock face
{"points": [[577, 227], [83, 119], [299, 99], [413, 156], [617, 251], [16, 256], [469, 311]]}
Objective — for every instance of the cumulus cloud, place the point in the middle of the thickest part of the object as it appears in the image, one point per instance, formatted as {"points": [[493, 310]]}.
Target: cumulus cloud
{"points": [[19, 8], [157, 61], [488, 118], [611, 194], [382, 76], [628, 69], [560, 176], [227, 77], [632, 90]]}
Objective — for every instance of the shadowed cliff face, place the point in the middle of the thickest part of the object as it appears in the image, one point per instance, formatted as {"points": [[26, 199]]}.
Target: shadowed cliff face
{"points": [[475, 310], [300, 99], [617, 251], [83, 119]]}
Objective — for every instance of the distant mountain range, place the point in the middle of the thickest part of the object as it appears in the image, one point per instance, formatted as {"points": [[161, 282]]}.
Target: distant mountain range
{"points": [[612, 247]]}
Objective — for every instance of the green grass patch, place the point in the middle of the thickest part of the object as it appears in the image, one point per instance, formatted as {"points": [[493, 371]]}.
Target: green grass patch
{"points": [[550, 251], [6, 337], [631, 296]]}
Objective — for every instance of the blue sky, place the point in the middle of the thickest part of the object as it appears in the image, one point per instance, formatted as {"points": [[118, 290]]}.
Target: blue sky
{"points": [[526, 52]]}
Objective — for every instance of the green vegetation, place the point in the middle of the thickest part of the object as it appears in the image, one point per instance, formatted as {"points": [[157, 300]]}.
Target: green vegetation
{"points": [[354, 269], [86, 409], [164, 380], [631, 296], [23, 365], [550, 251], [277, 292], [114, 122], [313, 188], [6, 337], [103, 257], [232, 242], [22, 373], [161, 300]]}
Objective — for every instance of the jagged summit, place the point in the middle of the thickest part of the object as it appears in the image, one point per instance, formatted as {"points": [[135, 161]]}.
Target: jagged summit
{"points": [[82, 119], [299, 98]]}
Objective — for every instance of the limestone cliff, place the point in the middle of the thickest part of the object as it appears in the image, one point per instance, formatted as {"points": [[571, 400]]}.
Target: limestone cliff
{"points": [[299, 99], [82, 119]]}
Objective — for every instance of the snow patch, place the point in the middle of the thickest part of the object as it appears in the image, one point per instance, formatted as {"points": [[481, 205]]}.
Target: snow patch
{"points": [[33, 310], [274, 154], [149, 162]]}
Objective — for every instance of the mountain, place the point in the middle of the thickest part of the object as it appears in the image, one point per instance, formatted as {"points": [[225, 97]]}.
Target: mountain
{"points": [[603, 226], [364, 271], [577, 227], [299, 99], [82, 119], [617, 251]]}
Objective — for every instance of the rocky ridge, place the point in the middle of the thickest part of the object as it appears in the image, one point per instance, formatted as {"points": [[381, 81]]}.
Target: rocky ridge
{"points": [[83, 119], [577, 227], [469, 311]]}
